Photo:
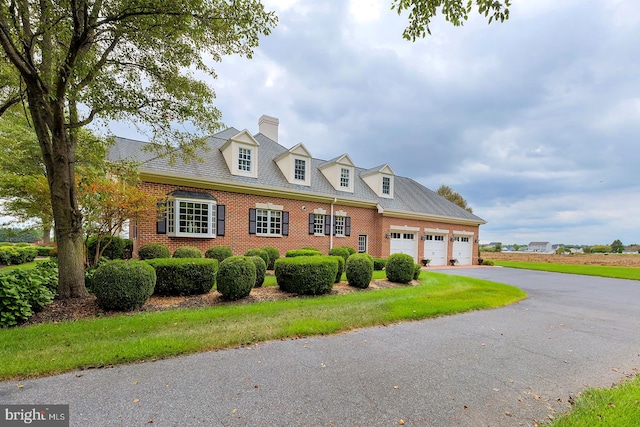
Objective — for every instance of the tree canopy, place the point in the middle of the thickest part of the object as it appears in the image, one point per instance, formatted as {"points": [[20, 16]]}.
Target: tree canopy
{"points": [[74, 62], [455, 11], [453, 196]]}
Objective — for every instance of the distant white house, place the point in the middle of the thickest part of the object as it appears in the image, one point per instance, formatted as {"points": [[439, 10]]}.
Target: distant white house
{"points": [[540, 247]]}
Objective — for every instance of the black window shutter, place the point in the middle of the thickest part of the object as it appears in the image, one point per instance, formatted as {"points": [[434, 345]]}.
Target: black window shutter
{"points": [[285, 223], [252, 221], [347, 226], [161, 223], [220, 211], [311, 223], [327, 224]]}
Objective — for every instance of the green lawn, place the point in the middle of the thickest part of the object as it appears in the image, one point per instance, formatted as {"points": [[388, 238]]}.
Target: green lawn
{"points": [[48, 349], [24, 266], [618, 406], [587, 270]]}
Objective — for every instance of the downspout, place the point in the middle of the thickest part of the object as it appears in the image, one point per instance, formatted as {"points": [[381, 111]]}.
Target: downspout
{"points": [[335, 199]]}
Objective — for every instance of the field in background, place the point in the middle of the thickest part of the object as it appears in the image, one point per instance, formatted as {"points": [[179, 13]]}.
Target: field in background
{"points": [[619, 260]]}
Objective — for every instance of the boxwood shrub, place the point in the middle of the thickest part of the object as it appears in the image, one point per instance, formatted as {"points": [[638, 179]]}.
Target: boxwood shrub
{"points": [[359, 269], [14, 255], [343, 252], [184, 276], [218, 252], [44, 250], [341, 265], [259, 252], [379, 264], [306, 275], [123, 285], [236, 277], [154, 250], [274, 254], [187, 252], [261, 269], [301, 252], [417, 268], [349, 249], [400, 268]]}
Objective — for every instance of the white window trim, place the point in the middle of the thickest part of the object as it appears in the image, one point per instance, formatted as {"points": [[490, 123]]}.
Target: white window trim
{"points": [[253, 166], [306, 180], [366, 243], [349, 186], [269, 212], [335, 224], [321, 215], [211, 220]]}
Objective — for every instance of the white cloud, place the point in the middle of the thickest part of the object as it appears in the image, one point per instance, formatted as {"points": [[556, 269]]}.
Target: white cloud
{"points": [[365, 10]]}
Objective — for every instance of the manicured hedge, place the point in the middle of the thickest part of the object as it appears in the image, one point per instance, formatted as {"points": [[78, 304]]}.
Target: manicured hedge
{"points": [[261, 269], [184, 276], [343, 252], [306, 275], [218, 252], [417, 268], [187, 252], [44, 250], [118, 248], [123, 285], [379, 264], [341, 265], [400, 268], [14, 255], [301, 252], [236, 277], [274, 254], [259, 252], [359, 270], [349, 249], [154, 250]]}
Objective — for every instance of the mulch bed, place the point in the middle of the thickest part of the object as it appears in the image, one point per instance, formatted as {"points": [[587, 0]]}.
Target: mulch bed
{"points": [[87, 308]]}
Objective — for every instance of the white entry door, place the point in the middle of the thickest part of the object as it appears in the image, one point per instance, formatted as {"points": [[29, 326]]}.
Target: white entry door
{"points": [[462, 248], [404, 243], [435, 249]]}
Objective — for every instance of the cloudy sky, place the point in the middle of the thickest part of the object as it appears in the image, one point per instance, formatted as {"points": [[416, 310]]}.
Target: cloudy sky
{"points": [[534, 121]]}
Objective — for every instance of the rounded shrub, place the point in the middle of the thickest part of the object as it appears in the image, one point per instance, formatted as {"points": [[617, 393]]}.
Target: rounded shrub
{"points": [[349, 249], [306, 275], [259, 252], [301, 252], [154, 250], [379, 264], [184, 276], [187, 252], [487, 262], [261, 269], [274, 254], [359, 269], [341, 264], [123, 285], [400, 268], [343, 252], [236, 277], [417, 268], [218, 252]]}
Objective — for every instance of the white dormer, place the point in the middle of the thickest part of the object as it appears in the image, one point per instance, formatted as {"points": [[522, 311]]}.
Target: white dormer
{"points": [[241, 154], [295, 165], [380, 180], [340, 173]]}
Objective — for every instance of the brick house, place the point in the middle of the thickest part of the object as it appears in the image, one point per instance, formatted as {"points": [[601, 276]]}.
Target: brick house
{"points": [[251, 192]]}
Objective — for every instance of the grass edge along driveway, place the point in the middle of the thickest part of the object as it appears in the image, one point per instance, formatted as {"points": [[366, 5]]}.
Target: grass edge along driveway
{"points": [[52, 348], [631, 273]]}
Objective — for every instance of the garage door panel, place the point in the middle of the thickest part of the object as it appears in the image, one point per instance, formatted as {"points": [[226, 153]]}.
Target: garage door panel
{"points": [[462, 248], [435, 249], [404, 243]]}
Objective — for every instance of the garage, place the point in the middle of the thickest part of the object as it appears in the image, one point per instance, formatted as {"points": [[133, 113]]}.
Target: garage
{"points": [[404, 243], [435, 248], [462, 249]]}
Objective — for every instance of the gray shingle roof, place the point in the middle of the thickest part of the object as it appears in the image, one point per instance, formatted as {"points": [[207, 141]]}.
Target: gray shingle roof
{"points": [[409, 196]]}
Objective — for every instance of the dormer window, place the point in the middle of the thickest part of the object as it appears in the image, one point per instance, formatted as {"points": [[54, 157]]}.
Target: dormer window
{"points": [[300, 170], [344, 178], [386, 185], [240, 153], [244, 159]]}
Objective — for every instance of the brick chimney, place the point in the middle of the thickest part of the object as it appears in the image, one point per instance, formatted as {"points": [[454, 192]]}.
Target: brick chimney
{"points": [[268, 126]]}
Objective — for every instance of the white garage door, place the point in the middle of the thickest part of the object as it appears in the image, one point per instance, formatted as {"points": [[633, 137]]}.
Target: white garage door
{"points": [[462, 247], [404, 243], [435, 249]]}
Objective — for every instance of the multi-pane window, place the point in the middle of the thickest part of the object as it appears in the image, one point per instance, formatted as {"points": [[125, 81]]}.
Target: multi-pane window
{"points": [[408, 236], [190, 218], [344, 177], [362, 243], [300, 170], [396, 235], [268, 222], [244, 159], [460, 239], [318, 224], [386, 185], [339, 225], [438, 237]]}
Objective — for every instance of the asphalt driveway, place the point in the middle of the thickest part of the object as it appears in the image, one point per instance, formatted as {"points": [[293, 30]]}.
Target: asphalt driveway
{"points": [[512, 366]]}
